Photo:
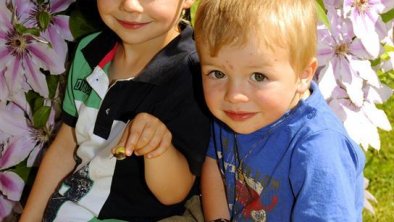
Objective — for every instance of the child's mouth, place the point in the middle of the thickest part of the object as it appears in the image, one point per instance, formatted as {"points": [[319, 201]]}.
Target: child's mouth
{"points": [[132, 25], [239, 116]]}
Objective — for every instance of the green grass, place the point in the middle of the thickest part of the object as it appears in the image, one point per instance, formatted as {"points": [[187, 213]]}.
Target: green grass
{"points": [[379, 170]]}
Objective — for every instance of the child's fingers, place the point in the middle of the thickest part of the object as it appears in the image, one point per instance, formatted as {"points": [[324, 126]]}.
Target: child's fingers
{"points": [[161, 138], [162, 148], [145, 137], [146, 125], [157, 152], [141, 131], [156, 137]]}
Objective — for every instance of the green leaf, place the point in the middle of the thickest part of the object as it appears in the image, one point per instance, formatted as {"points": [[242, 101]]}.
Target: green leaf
{"points": [[41, 116], [23, 30], [52, 81], [193, 10], [388, 48], [376, 61], [388, 15], [37, 103], [321, 13], [22, 170], [43, 18], [31, 97]]}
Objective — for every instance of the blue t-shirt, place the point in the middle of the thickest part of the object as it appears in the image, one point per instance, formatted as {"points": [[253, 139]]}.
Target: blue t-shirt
{"points": [[303, 167]]}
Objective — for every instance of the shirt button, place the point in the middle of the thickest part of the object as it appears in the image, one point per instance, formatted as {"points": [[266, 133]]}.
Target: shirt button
{"points": [[107, 111]]}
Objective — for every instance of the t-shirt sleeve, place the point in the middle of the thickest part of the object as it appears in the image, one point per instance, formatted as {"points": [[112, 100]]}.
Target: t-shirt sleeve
{"points": [[189, 120], [70, 113], [211, 151], [214, 141], [327, 178]]}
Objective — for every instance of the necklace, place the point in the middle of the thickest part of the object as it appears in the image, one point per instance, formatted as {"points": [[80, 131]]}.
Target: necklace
{"points": [[240, 176], [241, 179]]}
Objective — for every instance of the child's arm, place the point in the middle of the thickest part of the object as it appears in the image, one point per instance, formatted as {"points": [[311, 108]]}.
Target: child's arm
{"points": [[56, 164], [214, 199], [167, 171]]}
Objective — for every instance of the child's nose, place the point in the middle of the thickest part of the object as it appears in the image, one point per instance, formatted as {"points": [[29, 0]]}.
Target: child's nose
{"points": [[235, 94], [132, 5]]}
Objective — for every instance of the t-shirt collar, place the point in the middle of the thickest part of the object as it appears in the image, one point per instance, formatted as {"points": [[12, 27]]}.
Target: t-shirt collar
{"points": [[164, 60]]}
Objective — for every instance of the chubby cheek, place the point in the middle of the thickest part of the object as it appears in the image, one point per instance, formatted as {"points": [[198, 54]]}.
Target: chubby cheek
{"points": [[273, 107], [103, 6], [212, 98]]}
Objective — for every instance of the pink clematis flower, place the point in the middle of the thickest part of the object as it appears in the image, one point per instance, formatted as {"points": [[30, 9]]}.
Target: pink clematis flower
{"points": [[24, 140], [349, 83], [23, 55], [11, 187], [58, 29], [367, 23], [340, 51], [367, 117]]}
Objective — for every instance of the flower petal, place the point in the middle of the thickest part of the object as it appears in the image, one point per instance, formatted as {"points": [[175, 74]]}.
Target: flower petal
{"points": [[13, 121], [376, 116], [379, 94], [364, 28], [6, 207], [23, 9], [57, 42], [5, 17], [355, 121], [61, 24], [325, 48], [364, 70], [327, 82], [342, 69], [46, 58], [14, 75], [11, 185], [60, 5], [354, 90], [36, 79], [357, 49], [16, 151], [383, 6]]}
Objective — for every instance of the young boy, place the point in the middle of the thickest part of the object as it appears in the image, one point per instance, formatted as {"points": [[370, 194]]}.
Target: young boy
{"points": [[140, 73], [277, 151]]}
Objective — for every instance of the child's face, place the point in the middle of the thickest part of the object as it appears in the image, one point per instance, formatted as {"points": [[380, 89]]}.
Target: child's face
{"points": [[138, 21], [249, 86]]}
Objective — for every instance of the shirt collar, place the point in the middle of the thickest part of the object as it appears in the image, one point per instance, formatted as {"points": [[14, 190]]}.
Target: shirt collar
{"points": [[165, 61]]}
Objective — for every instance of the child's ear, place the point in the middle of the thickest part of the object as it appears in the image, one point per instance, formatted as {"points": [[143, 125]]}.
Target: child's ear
{"points": [[307, 75], [187, 3]]}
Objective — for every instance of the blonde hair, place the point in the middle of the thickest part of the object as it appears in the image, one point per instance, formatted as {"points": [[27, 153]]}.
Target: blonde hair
{"points": [[290, 24]]}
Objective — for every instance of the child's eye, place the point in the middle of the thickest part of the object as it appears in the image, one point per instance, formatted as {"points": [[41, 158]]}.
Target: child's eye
{"points": [[258, 77], [216, 74]]}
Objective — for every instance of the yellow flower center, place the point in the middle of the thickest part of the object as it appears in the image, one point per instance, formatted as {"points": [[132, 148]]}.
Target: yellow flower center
{"points": [[17, 43]]}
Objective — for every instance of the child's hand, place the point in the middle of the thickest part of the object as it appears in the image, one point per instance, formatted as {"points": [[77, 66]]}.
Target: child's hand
{"points": [[144, 135]]}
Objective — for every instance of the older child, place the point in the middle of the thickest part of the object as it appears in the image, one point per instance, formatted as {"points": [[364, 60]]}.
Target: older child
{"points": [[141, 69], [277, 151]]}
